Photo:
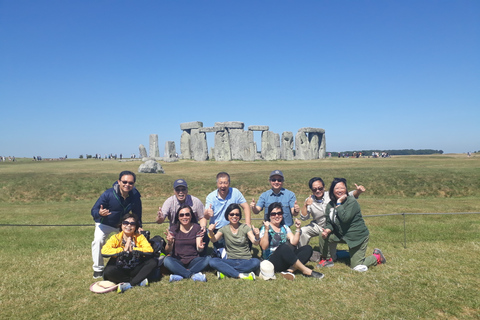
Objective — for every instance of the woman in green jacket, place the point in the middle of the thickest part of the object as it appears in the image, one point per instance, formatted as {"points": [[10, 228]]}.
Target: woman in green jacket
{"points": [[344, 220]]}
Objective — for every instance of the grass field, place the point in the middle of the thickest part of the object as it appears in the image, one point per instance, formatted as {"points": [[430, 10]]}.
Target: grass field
{"points": [[47, 270]]}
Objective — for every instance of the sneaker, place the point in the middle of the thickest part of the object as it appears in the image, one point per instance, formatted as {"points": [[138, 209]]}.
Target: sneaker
{"points": [[220, 275], [144, 283], [199, 277], [288, 275], [315, 274], [248, 276], [175, 277], [122, 287], [380, 257], [98, 274], [325, 263]]}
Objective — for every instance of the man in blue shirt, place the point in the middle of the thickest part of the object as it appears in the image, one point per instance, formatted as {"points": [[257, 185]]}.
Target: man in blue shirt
{"points": [[277, 194], [218, 201]]}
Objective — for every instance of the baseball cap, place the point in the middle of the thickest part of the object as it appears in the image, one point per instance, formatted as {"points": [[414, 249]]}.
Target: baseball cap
{"points": [[276, 173], [180, 182]]}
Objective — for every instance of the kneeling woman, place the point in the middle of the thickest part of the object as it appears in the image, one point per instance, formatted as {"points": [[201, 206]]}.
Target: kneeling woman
{"points": [[282, 254], [131, 256], [184, 242], [239, 262], [344, 220]]}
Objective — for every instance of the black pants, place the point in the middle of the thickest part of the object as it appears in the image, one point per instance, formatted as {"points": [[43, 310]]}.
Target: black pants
{"points": [[286, 255], [134, 276]]}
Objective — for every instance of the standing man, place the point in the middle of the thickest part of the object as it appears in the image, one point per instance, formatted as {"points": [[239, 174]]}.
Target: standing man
{"points": [[108, 211], [181, 196], [277, 194], [218, 201], [315, 206]]}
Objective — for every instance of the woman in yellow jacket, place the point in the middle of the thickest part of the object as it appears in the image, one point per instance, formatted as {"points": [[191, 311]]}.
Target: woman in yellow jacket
{"points": [[131, 256]]}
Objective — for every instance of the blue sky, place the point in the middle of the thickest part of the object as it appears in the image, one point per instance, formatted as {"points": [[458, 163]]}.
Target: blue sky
{"points": [[80, 77]]}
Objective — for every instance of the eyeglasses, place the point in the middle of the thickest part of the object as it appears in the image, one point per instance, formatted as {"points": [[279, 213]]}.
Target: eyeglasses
{"points": [[128, 182], [318, 189], [181, 215], [126, 223], [234, 214], [180, 189], [276, 180], [277, 213]]}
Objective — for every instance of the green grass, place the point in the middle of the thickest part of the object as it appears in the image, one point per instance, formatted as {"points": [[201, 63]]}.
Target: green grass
{"points": [[47, 270]]}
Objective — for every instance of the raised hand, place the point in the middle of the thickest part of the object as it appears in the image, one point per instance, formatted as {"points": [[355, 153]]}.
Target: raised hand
{"points": [[169, 237], [160, 218], [360, 188], [309, 201], [208, 213], [256, 232], [253, 204], [298, 223], [296, 208], [212, 226], [103, 212]]}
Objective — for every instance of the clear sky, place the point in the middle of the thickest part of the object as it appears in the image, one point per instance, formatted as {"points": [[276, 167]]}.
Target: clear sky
{"points": [[98, 76]]}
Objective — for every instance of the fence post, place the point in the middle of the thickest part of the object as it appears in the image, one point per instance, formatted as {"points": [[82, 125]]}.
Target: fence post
{"points": [[404, 232]]}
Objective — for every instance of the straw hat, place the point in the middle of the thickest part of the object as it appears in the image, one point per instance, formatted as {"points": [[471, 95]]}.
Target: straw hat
{"points": [[267, 270], [103, 286]]}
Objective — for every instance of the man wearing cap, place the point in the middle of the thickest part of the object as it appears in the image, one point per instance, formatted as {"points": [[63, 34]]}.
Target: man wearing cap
{"points": [[277, 194], [173, 203], [218, 201]]}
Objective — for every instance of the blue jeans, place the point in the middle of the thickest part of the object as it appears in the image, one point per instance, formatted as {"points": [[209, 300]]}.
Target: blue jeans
{"points": [[186, 271], [233, 267]]}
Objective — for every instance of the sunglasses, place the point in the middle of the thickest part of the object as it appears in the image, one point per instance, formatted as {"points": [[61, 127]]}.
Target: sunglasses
{"points": [[276, 180], [181, 215], [275, 214], [180, 189], [126, 223], [128, 182], [234, 214], [318, 189]]}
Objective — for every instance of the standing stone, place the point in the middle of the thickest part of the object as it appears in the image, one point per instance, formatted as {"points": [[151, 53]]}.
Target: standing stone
{"points": [[198, 145], [270, 145], [237, 143], [301, 146], [222, 146], [170, 152], [185, 145], [286, 152], [313, 145], [154, 152], [322, 153], [143, 151]]}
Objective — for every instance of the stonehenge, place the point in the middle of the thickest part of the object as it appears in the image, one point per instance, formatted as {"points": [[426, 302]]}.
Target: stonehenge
{"points": [[233, 142]]}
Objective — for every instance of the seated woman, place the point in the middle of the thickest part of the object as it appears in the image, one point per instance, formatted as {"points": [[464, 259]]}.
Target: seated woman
{"points": [[344, 219], [282, 254], [131, 256], [184, 242], [239, 262]]}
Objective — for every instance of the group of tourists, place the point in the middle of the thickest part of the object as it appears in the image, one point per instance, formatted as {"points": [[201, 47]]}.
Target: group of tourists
{"points": [[336, 218]]}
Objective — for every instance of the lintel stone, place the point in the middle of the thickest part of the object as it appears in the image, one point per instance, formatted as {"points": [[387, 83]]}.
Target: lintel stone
{"points": [[258, 128], [211, 129], [191, 125], [230, 124], [312, 130]]}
